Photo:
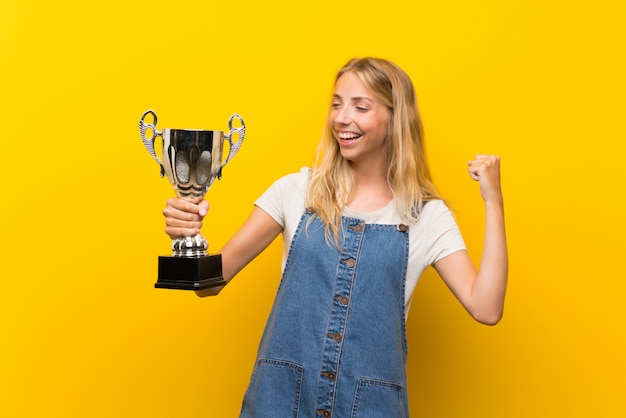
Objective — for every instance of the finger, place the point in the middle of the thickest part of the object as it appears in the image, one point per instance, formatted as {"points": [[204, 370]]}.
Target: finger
{"points": [[474, 173], [182, 209], [174, 232], [173, 213], [478, 168], [184, 204], [487, 162], [178, 223], [486, 158], [483, 157]]}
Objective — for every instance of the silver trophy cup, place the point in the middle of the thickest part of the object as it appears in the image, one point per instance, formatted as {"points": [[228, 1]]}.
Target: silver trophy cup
{"points": [[191, 160]]}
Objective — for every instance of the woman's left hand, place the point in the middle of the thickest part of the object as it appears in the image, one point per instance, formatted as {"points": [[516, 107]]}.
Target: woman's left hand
{"points": [[486, 170]]}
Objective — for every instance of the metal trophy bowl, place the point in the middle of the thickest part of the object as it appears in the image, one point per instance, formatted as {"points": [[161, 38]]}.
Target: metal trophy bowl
{"points": [[191, 160]]}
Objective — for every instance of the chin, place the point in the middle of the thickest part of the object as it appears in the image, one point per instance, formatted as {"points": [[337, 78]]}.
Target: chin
{"points": [[347, 156]]}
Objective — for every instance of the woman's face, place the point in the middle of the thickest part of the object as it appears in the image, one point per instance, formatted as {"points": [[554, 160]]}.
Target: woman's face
{"points": [[358, 121]]}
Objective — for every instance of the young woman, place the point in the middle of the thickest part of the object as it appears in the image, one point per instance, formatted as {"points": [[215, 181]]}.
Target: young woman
{"points": [[359, 229]]}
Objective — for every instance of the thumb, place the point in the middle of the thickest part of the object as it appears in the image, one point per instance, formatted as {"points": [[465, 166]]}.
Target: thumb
{"points": [[203, 208]]}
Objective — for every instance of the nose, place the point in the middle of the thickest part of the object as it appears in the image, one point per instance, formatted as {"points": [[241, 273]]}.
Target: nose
{"points": [[342, 117]]}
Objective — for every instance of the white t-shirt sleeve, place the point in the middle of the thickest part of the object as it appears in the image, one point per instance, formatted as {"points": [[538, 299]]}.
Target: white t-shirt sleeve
{"points": [[443, 231], [284, 202], [434, 236]]}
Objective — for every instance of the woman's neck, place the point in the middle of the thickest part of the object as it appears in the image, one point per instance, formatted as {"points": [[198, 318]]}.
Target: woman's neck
{"points": [[371, 190]]}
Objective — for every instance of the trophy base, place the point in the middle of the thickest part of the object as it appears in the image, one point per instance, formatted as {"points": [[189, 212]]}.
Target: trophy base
{"points": [[190, 273]]}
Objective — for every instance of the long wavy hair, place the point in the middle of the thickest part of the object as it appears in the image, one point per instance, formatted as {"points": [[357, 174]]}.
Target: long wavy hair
{"points": [[332, 178]]}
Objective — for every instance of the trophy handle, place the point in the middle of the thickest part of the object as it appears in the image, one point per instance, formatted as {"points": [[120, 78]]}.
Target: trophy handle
{"points": [[149, 142], [234, 147]]}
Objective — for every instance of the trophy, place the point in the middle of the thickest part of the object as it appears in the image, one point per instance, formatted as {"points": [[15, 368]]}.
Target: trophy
{"points": [[191, 160]]}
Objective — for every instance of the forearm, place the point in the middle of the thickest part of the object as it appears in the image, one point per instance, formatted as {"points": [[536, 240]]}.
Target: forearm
{"points": [[257, 233], [236, 254], [489, 289]]}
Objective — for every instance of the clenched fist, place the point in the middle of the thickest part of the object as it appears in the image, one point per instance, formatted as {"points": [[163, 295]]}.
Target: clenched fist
{"points": [[486, 170], [184, 218]]}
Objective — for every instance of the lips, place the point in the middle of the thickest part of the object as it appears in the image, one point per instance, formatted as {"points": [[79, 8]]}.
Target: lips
{"points": [[347, 137]]}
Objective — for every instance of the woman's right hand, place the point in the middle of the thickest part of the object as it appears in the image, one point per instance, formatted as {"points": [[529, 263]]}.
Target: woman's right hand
{"points": [[184, 218]]}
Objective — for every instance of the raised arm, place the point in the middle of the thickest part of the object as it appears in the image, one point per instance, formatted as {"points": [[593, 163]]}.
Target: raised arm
{"points": [[482, 292], [184, 218]]}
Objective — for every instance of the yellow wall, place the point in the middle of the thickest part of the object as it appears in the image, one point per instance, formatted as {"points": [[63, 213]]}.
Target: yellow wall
{"points": [[84, 334]]}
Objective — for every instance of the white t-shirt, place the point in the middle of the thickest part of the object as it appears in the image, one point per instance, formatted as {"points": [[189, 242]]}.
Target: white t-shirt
{"points": [[434, 236]]}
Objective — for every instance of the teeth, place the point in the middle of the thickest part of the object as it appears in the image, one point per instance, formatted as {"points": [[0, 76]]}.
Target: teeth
{"points": [[348, 135]]}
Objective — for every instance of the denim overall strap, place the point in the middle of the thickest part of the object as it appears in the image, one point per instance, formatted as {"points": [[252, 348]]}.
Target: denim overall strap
{"points": [[335, 342]]}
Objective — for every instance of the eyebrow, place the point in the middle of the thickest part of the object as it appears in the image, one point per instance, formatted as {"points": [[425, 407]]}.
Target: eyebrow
{"points": [[354, 99]]}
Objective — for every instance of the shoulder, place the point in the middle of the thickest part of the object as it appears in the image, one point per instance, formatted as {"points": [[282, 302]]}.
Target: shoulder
{"points": [[296, 180], [291, 185], [435, 215], [433, 208], [436, 233], [284, 200]]}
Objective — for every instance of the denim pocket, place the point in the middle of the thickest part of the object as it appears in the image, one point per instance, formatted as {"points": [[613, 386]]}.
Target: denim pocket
{"points": [[378, 399], [274, 390]]}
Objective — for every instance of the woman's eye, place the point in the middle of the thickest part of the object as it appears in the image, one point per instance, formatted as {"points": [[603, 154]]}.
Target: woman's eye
{"points": [[335, 105], [362, 109]]}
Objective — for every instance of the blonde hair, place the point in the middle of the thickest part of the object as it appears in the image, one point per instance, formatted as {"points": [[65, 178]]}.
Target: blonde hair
{"points": [[332, 178]]}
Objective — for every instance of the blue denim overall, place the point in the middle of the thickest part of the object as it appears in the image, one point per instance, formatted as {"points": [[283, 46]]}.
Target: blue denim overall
{"points": [[335, 342]]}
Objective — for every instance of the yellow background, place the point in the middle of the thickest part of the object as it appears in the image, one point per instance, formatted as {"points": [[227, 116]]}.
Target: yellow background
{"points": [[84, 334]]}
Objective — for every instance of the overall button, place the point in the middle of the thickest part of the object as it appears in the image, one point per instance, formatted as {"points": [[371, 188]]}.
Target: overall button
{"points": [[350, 262], [323, 412], [357, 227], [343, 300], [329, 375], [402, 227], [336, 337]]}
